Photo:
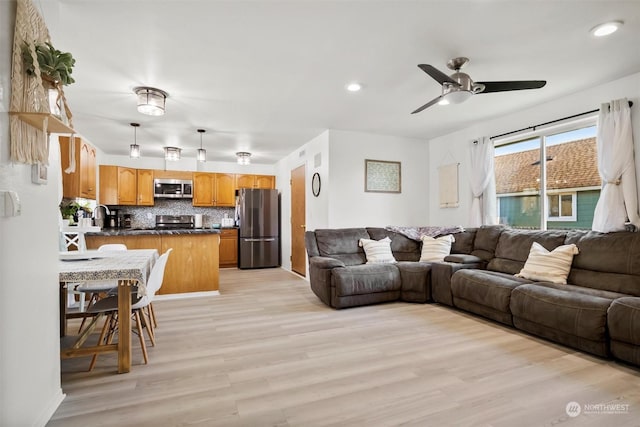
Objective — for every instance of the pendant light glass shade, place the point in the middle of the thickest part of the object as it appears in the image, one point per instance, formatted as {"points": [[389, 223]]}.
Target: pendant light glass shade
{"points": [[244, 158], [172, 154], [134, 149], [202, 153], [151, 101]]}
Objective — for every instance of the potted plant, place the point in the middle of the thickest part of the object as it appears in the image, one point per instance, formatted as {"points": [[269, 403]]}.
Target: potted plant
{"points": [[55, 70]]}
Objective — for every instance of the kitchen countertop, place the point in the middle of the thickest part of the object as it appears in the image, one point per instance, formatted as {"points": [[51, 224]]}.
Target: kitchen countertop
{"points": [[152, 232]]}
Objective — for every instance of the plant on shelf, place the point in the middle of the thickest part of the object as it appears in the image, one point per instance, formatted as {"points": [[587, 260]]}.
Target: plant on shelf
{"points": [[55, 70], [55, 66]]}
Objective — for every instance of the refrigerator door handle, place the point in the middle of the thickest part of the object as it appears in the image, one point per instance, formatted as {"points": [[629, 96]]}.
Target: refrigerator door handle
{"points": [[260, 240]]}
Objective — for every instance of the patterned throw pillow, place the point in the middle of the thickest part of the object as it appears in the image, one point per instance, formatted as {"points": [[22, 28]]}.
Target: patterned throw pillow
{"points": [[435, 249], [553, 266], [378, 251]]}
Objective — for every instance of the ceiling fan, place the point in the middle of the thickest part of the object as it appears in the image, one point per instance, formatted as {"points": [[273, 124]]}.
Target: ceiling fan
{"points": [[459, 87]]}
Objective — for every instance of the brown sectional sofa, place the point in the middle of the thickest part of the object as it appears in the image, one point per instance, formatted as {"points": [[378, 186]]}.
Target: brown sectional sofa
{"points": [[597, 311]]}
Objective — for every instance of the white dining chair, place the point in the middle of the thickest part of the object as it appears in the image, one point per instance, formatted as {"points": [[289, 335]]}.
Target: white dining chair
{"points": [[109, 307]]}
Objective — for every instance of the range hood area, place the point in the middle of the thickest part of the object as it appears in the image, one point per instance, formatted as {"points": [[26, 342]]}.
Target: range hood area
{"points": [[164, 188]]}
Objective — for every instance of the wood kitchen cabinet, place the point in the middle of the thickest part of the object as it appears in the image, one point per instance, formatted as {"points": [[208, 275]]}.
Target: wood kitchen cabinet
{"points": [[192, 265], [81, 182], [118, 185], [213, 189], [255, 181], [145, 187], [229, 247]]}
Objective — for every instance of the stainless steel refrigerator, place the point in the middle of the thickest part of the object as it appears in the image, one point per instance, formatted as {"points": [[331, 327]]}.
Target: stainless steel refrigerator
{"points": [[258, 213]]}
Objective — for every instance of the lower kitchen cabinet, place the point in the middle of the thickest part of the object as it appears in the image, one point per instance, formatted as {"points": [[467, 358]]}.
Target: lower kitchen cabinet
{"points": [[192, 266], [229, 247]]}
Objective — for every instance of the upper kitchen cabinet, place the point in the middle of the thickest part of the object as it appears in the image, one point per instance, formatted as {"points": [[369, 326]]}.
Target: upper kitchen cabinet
{"points": [[82, 181], [145, 187], [213, 189], [118, 185], [256, 181]]}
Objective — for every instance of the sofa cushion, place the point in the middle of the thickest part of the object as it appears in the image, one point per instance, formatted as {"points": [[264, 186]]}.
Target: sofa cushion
{"points": [[342, 244], [486, 239], [464, 241], [416, 281], [435, 249], [624, 320], [488, 288], [574, 313], [403, 248], [377, 251], [365, 279], [513, 248], [609, 261], [552, 266]]}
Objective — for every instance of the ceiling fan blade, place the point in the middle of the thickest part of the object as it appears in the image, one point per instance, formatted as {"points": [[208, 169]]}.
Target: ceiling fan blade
{"points": [[510, 85], [428, 104], [437, 75]]}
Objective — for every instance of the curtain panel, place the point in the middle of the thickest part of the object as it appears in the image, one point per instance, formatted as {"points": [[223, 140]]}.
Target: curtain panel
{"points": [[618, 202], [483, 183]]}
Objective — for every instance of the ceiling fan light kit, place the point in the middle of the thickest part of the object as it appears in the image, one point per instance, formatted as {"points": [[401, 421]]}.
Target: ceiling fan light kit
{"points": [[151, 101], [459, 87]]}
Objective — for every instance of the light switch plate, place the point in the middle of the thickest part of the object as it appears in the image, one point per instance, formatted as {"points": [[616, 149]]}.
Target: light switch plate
{"points": [[9, 203]]}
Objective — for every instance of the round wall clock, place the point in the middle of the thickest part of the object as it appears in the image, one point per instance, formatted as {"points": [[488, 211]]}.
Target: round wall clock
{"points": [[315, 184]]}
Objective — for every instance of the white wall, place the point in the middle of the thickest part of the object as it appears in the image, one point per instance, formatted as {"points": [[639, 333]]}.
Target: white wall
{"points": [[314, 151], [456, 145], [350, 206], [29, 335]]}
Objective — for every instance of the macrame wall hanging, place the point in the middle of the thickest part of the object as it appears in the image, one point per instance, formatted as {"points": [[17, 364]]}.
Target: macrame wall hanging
{"points": [[29, 93]]}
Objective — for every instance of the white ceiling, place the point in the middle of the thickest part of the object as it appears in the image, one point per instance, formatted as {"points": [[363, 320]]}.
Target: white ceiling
{"points": [[267, 76]]}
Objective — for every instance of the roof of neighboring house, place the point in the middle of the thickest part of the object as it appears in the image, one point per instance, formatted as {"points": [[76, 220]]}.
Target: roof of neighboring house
{"points": [[569, 165]]}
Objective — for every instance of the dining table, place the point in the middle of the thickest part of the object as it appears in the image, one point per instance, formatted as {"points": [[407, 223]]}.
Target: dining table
{"points": [[130, 269]]}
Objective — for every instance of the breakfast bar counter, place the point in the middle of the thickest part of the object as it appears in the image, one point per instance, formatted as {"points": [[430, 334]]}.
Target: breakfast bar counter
{"points": [[193, 265]]}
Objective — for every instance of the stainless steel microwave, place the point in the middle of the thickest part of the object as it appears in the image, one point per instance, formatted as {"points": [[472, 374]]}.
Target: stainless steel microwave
{"points": [[173, 188]]}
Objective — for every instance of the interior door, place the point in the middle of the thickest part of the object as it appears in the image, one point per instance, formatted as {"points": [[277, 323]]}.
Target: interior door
{"points": [[298, 252]]}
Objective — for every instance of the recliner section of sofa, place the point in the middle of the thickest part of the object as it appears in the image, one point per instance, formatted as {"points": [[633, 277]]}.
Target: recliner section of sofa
{"points": [[597, 311]]}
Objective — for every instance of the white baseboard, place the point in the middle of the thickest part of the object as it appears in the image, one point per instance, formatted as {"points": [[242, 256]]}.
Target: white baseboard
{"points": [[187, 295], [50, 409]]}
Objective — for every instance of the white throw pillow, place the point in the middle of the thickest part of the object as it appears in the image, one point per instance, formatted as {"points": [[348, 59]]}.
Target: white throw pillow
{"points": [[378, 251], [436, 249], [548, 266]]}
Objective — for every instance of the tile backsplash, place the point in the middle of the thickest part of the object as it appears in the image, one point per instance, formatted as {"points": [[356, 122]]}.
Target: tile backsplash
{"points": [[145, 216]]}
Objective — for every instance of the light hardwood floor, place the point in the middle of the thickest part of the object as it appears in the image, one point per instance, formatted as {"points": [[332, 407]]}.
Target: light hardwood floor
{"points": [[266, 352]]}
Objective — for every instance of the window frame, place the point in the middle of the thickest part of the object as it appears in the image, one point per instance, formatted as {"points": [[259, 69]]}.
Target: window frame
{"points": [[574, 206], [542, 133]]}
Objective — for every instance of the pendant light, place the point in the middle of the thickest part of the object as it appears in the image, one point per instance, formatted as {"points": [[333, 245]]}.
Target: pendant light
{"points": [[202, 153], [134, 149]]}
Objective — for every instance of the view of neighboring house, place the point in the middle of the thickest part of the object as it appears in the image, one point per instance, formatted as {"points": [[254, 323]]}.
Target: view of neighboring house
{"points": [[573, 186]]}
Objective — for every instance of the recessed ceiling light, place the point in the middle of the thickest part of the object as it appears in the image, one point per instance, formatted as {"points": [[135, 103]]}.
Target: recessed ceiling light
{"points": [[606, 28], [354, 87]]}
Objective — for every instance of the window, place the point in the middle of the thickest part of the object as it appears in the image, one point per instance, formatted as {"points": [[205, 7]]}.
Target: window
{"points": [[560, 192], [562, 207]]}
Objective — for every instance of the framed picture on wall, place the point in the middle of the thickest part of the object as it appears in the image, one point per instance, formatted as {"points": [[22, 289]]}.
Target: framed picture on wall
{"points": [[381, 176], [39, 174]]}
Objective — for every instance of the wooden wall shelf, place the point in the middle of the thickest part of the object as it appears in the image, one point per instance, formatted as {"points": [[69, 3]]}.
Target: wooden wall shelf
{"points": [[38, 120]]}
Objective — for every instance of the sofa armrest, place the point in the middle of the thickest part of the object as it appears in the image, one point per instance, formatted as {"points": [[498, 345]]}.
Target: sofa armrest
{"points": [[324, 262], [441, 273], [320, 268], [463, 259]]}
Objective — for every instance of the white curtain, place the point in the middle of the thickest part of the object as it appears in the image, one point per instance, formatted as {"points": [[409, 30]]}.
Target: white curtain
{"points": [[619, 198], [483, 183]]}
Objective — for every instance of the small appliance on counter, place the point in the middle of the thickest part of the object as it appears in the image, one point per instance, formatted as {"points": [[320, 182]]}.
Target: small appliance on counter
{"points": [[174, 222], [227, 222], [197, 220]]}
